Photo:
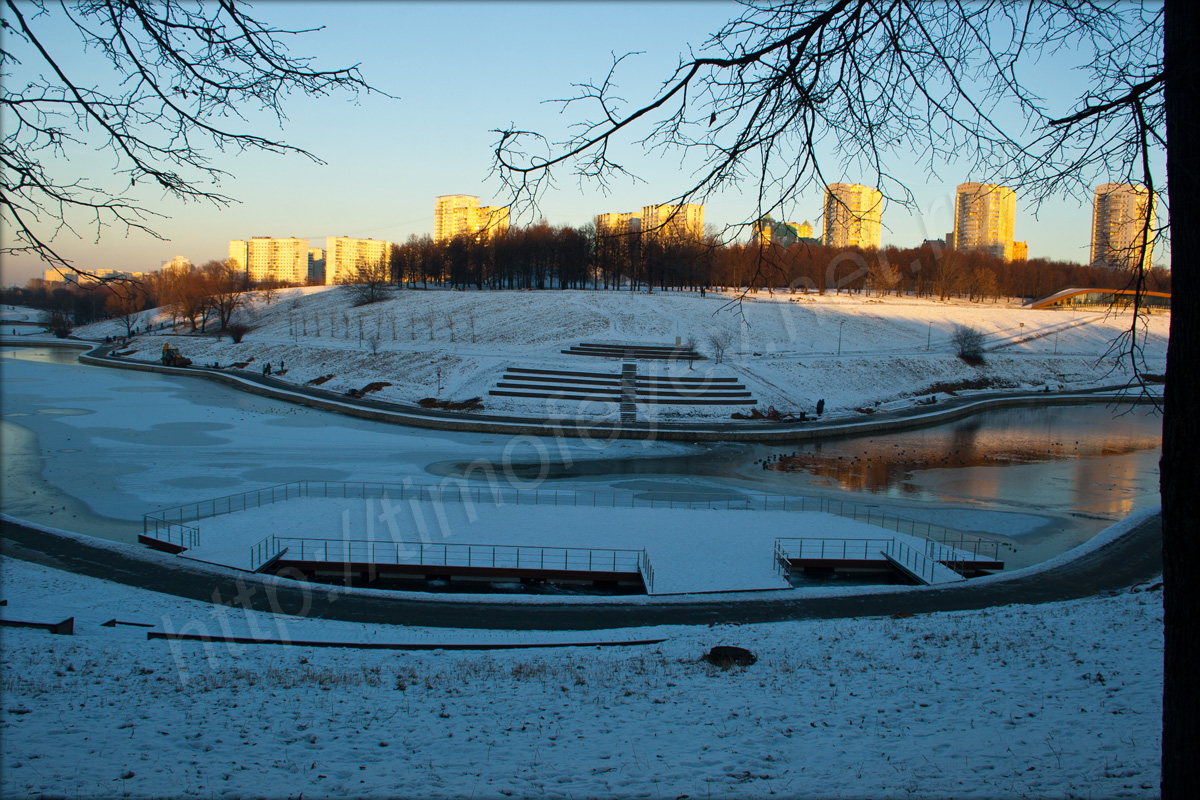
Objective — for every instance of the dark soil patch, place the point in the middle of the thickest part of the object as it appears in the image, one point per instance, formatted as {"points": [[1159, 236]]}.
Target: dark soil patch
{"points": [[242, 364], [725, 656], [318, 381], [970, 384], [370, 387], [973, 360], [772, 415], [474, 404]]}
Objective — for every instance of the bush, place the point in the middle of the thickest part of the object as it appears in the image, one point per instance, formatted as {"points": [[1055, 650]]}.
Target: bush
{"points": [[969, 344], [237, 330]]}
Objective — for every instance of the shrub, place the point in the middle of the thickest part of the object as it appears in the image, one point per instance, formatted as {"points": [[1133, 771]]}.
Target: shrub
{"points": [[968, 342], [238, 329]]}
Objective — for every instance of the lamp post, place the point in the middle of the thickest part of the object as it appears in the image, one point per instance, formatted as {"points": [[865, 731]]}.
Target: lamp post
{"points": [[929, 336], [843, 322]]}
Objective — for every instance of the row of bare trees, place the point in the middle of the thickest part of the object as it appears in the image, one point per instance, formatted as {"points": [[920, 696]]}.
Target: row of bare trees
{"points": [[542, 257], [202, 298]]}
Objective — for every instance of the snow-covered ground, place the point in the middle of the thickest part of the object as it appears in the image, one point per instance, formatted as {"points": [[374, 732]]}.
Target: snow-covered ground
{"points": [[457, 345], [21, 315], [1058, 700]]}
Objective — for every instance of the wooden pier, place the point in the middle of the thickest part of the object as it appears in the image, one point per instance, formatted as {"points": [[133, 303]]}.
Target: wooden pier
{"points": [[927, 562]]}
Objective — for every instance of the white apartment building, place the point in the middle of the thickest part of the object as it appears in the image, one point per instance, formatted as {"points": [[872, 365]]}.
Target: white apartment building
{"points": [[853, 216], [346, 259], [1118, 221], [983, 219], [263, 259], [461, 215]]}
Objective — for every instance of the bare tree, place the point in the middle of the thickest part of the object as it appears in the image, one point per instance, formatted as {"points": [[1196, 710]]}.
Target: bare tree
{"points": [[180, 74], [968, 343], [226, 287], [719, 340], [269, 290], [371, 280], [876, 84], [126, 304]]}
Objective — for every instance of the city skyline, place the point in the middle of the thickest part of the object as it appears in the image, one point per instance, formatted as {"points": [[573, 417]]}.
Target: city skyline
{"points": [[419, 145]]}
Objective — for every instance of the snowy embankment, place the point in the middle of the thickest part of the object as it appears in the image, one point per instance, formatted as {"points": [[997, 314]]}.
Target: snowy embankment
{"points": [[785, 350], [1058, 700]]}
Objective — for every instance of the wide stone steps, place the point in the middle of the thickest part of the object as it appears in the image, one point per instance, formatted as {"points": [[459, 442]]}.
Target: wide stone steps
{"points": [[626, 388], [637, 352]]}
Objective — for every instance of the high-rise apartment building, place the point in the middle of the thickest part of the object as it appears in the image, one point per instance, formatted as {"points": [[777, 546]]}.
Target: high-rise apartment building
{"points": [[347, 259], [853, 216], [676, 221], [618, 223], [316, 265], [263, 259], [178, 264], [461, 215], [983, 219], [1119, 218]]}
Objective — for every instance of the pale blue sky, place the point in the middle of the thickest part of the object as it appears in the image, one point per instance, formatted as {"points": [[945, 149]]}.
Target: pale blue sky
{"points": [[459, 70]]}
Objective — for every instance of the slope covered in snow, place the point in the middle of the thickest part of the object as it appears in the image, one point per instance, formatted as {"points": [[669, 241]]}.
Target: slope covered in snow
{"points": [[790, 350], [1058, 700]]}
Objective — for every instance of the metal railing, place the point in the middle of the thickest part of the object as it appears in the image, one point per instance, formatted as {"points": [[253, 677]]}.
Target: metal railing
{"points": [[919, 564], [491, 556], [923, 563], [186, 536], [459, 491], [842, 549]]}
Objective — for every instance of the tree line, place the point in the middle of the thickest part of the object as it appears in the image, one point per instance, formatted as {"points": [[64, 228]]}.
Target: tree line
{"points": [[199, 299], [546, 257]]}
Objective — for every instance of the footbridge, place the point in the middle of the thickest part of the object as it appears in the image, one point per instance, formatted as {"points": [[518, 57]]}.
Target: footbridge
{"points": [[1100, 298]]}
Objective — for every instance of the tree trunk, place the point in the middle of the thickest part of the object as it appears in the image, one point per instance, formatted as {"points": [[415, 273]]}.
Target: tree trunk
{"points": [[1180, 467]]}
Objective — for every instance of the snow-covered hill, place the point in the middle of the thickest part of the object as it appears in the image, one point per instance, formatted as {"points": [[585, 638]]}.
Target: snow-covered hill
{"points": [[790, 350]]}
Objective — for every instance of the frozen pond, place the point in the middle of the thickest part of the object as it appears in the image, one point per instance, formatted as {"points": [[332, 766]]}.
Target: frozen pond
{"points": [[91, 449]]}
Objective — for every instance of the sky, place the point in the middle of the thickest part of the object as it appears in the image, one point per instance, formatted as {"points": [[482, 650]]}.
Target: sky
{"points": [[456, 71]]}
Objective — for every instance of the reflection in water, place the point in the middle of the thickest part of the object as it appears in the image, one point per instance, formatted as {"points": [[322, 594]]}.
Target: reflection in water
{"points": [[1046, 477], [886, 464]]}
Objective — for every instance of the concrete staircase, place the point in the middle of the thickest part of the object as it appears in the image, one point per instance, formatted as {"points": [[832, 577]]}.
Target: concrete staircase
{"points": [[622, 388]]}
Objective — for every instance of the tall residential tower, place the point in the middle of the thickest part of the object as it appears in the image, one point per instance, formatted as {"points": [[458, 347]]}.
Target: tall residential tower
{"points": [[983, 219], [853, 216], [1119, 219], [461, 215]]}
